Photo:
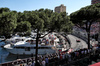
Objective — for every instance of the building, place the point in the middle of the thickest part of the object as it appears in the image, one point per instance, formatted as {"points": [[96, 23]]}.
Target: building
{"points": [[95, 1], [60, 8], [96, 28]]}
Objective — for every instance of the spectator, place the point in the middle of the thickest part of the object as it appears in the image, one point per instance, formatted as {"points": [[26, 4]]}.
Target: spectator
{"points": [[33, 63], [69, 57], [21, 65], [43, 62], [46, 60], [38, 63], [29, 64]]}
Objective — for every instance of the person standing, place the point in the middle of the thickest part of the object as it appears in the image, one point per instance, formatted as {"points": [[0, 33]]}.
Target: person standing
{"points": [[43, 62], [33, 63], [46, 60]]}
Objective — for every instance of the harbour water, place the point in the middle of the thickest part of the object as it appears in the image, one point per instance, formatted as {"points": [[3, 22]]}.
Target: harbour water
{"points": [[7, 57]]}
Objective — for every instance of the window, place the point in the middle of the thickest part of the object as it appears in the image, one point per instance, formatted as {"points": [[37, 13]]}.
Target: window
{"points": [[32, 47], [17, 47], [44, 48], [41, 47], [28, 41], [27, 48]]}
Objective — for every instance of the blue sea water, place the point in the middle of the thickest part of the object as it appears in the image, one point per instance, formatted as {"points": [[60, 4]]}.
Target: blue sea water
{"points": [[5, 56]]}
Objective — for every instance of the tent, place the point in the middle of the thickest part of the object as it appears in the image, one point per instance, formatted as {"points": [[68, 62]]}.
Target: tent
{"points": [[96, 64]]}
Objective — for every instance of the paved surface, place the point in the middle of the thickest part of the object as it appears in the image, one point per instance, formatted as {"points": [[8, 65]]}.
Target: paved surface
{"points": [[66, 45], [62, 40], [77, 45]]}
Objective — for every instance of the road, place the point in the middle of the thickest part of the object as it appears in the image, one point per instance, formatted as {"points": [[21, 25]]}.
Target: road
{"points": [[65, 44], [77, 45]]}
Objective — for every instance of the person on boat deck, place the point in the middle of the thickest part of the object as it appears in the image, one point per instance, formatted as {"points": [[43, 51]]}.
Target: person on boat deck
{"points": [[47, 41], [31, 41]]}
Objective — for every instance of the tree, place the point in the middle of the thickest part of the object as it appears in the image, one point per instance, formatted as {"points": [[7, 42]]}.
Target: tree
{"points": [[4, 10], [60, 22], [86, 15], [7, 23], [42, 21], [23, 26], [37, 24]]}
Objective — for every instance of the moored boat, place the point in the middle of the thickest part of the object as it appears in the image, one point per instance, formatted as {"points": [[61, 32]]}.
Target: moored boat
{"points": [[28, 46]]}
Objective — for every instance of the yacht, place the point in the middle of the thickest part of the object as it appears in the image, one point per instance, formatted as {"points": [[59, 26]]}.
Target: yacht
{"points": [[15, 39], [2, 43], [2, 40], [12, 40], [28, 46]]}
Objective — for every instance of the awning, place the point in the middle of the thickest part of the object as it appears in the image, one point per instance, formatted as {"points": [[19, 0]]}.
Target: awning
{"points": [[96, 64]]}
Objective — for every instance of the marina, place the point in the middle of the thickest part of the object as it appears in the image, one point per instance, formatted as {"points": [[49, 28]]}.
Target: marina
{"points": [[17, 60], [5, 56], [49, 33]]}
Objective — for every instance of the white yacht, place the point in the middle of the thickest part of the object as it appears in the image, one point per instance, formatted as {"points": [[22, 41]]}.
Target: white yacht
{"points": [[2, 38], [28, 46], [2, 41], [15, 39], [12, 40]]}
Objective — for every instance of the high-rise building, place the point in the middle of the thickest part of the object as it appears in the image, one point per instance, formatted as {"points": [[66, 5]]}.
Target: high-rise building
{"points": [[95, 1], [60, 8]]}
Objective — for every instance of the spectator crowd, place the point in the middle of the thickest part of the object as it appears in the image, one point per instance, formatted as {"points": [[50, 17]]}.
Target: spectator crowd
{"points": [[57, 58]]}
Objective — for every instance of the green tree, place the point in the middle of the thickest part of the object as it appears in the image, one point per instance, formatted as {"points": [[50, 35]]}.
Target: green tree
{"points": [[23, 26], [4, 10], [60, 22], [7, 23], [38, 25], [86, 15], [43, 21], [20, 17]]}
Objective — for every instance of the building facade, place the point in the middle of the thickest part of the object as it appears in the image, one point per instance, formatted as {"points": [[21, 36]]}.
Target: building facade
{"points": [[60, 8], [96, 26], [95, 1], [94, 31]]}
